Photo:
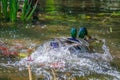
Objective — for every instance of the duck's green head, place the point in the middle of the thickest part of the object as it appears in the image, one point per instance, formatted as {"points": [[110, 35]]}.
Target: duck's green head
{"points": [[82, 32], [73, 32]]}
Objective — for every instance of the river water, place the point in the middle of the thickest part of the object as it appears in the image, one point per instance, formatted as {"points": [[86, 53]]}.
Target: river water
{"points": [[60, 62]]}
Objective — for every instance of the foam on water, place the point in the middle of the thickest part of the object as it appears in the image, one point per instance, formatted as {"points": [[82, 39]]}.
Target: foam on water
{"points": [[81, 64]]}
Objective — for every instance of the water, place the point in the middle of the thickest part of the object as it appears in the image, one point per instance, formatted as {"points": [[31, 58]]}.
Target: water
{"points": [[48, 62], [60, 61]]}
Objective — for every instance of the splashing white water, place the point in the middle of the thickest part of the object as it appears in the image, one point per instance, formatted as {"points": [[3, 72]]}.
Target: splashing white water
{"points": [[78, 63]]}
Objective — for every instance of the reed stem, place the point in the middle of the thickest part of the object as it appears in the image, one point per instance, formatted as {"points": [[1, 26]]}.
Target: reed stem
{"points": [[29, 72], [28, 10], [4, 8]]}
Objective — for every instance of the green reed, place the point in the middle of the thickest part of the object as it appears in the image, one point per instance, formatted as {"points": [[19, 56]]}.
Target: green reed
{"points": [[10, 9], [28, 9], [4, 8], [13, 10]]}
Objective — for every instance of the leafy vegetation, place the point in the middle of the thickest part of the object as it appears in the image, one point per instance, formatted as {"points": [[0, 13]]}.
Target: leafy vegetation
{"points": [[28, 10], [13, 10], [4, 8], [10, 9]]}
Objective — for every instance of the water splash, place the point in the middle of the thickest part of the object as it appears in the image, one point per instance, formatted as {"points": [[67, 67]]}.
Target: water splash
{"points": [[63, 60]]}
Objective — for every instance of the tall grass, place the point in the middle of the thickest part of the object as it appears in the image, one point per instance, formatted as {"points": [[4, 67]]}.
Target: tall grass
{"points": [[10, 9], [4, 8], [13, 9], [28, 10]]}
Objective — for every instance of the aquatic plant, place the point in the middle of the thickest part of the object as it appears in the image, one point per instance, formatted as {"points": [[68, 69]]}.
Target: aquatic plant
{"points": [[10, 9], [13, 9], [4, 8], [28, 10]]}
